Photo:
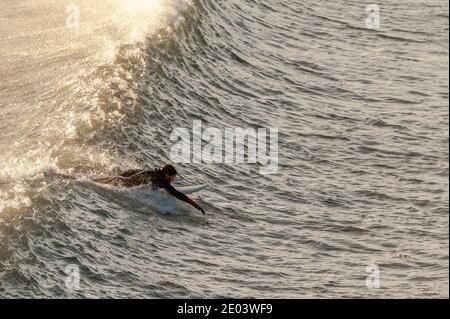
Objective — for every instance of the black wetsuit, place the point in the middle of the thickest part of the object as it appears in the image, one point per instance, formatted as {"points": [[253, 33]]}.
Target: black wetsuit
{"points": [[158, 181]]}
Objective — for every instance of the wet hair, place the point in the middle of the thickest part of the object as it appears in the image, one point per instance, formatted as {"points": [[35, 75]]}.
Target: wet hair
{"points": [[169, 169]]}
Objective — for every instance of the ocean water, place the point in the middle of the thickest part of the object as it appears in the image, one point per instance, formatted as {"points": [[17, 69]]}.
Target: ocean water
{"points": [[359, 205]]}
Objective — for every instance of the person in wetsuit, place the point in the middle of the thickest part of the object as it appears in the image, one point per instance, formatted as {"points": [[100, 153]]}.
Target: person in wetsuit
{"points": [[158, 178]]}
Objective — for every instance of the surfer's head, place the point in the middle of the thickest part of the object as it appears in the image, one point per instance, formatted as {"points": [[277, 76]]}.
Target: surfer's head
{"points": [[170, 172]]}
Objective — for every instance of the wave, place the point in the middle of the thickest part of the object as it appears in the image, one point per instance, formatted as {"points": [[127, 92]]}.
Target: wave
{"points": [[71, 127], [105, 97]]}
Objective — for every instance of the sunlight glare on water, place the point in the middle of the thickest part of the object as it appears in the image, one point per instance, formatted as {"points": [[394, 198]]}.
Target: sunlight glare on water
{"points": [[362, 116]]}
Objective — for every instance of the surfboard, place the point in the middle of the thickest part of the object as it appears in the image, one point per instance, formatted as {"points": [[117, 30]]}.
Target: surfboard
{"points": [[160, 199]]}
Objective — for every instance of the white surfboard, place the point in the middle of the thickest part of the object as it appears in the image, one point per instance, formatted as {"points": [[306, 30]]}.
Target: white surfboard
{"points": [[160, 199]]}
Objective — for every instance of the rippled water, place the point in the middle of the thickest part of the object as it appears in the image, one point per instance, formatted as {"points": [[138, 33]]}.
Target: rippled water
{"points": [[363, 148]]}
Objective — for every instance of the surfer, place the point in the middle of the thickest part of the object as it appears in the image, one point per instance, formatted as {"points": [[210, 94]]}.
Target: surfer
{"points": [[158, 178]]}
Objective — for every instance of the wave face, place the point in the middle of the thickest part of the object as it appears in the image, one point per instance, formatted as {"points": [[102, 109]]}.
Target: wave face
{"points": [[363, 135]]}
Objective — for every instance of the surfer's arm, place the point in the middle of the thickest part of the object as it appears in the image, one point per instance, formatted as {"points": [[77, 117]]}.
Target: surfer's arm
{"points": [[179, 195]]}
